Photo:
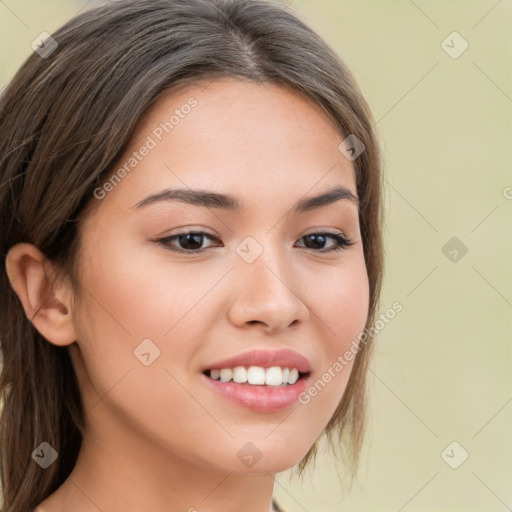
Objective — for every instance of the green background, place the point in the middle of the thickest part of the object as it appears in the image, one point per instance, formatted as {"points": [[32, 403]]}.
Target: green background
{"points": [[442, 367]]}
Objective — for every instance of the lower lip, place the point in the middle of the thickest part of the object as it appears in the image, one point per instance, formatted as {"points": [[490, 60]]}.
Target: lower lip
{"points": [[259, 398]]}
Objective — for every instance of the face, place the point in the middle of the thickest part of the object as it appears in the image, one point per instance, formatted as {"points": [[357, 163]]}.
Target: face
{"points": [[183, 292]]}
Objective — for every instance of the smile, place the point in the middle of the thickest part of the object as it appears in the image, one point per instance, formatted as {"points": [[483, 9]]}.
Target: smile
{"points": [[257, 375]]}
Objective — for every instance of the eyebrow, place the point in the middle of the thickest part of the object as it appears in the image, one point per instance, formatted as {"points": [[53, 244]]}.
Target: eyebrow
{"points": [[228, 202]]}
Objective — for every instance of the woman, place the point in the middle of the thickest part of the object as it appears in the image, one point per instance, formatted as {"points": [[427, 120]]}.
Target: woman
{"points": [[192, 244]]}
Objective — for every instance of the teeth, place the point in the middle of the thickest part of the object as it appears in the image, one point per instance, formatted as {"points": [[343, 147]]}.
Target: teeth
{"points": [[257, 375], [294, 376], [274, 376], [239, 374], [226, 375]]}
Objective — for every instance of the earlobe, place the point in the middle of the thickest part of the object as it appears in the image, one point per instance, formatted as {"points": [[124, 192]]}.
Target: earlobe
{"points": [[47, 307]]}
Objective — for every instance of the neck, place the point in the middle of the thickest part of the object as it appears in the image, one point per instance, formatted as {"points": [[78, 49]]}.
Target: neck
{"points": [[118, 469]]}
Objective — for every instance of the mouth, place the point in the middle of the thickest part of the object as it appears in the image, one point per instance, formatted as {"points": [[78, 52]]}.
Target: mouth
{"points": [[261, 380], [275, 376], [263, 390]]}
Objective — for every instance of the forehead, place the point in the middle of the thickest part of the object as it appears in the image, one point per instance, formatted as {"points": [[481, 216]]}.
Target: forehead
{"points": [[232, 136]]}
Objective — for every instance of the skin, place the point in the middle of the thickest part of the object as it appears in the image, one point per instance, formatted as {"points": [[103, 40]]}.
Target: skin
{"points": [[157, 435]]}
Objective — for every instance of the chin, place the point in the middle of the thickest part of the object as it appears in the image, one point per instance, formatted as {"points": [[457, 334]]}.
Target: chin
{"points": [[268, 457]]}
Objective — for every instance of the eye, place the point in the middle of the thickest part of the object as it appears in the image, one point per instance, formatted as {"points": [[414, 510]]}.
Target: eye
{"points": [[319, 240], [189, 241]]}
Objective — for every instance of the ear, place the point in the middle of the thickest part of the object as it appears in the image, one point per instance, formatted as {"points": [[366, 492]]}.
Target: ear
{"points": [[48, 308]]}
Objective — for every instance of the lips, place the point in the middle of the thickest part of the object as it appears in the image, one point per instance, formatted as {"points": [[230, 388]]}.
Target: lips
{"points": [[265, 394], [264, 399]]}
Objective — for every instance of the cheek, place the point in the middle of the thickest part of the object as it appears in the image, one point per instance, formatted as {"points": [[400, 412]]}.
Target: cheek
{"points": [[139, 293], [339, 298], [130, 299], [348, 311], [342, 304]]}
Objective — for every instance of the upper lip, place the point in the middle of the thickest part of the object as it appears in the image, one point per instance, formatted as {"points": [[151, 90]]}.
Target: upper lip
{"points": [[266, 358]]}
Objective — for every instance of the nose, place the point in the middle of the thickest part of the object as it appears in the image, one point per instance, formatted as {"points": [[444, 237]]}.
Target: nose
{"points": [[267, 294]]}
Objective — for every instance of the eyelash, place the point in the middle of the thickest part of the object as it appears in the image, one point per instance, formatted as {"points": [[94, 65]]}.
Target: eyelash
{"points": [[342, 241]]}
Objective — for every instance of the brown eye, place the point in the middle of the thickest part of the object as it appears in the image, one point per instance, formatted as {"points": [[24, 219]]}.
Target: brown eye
{"points": [[318, 241], [189, 241]]}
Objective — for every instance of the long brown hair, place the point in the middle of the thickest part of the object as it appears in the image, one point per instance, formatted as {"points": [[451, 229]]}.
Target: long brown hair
{"points": [[66, 119]]}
